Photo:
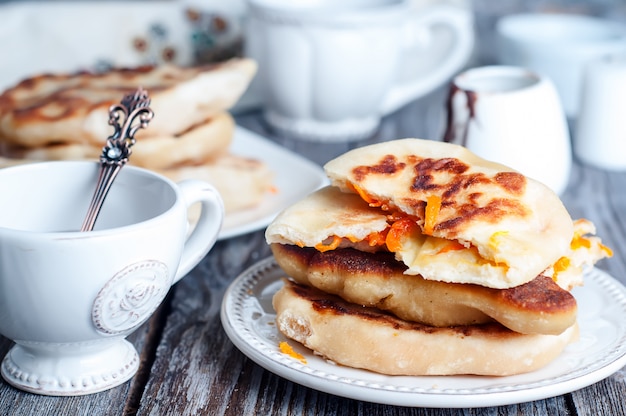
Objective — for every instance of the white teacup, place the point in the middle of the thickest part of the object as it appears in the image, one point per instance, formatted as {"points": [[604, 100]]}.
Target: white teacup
{"points": [[558, 46], [328, 70], [512, 116], [600, 134], [68, 298]]}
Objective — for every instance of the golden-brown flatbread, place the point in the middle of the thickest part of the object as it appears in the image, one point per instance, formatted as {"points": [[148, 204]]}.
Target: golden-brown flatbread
{"points": [[378, 280], [203, 142], [6, 162], [326, 213], [65, 117], [57, 151], [330, 219], [512, 225], [73, 108], [242, 182], [367, 338]]}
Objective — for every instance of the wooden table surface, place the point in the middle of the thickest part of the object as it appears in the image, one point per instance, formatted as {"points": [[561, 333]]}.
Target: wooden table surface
{"points": [[190, 367]]}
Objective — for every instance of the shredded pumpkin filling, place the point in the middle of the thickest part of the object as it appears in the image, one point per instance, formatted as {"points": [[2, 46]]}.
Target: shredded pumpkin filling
{"points": [[287, 349], [397, 230], [451, 246], [494, 240], [378, 238], [561, 265], [336, 240], [433, 206], [579, 241], [365, 196], [400, 225]]}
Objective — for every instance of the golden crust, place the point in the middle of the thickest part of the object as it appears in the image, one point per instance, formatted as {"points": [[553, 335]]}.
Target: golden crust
{"points": [[378, 280], [324, 214], [368, 338], [64, 117], [200, 143], [242, 182], [515, 223], [462, 191], [73, 108]]}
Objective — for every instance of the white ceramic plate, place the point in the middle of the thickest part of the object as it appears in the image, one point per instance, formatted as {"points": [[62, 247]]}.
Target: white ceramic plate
{"points": [[294, 178], [248, 318]]}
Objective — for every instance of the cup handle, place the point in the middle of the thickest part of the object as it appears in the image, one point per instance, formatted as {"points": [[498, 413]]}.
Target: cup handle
{"points": [[459, 22], [205, 233]]}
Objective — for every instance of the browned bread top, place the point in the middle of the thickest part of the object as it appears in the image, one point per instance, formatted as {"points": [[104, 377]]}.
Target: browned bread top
{"points": [[73, 108]]}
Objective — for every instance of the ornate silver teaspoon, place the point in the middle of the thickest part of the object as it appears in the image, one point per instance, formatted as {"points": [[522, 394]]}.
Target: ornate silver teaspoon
{"points": [[115, 154]]}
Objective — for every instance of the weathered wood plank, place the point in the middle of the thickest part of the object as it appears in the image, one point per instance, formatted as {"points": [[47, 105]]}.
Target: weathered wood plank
{"points": [[196, 366]]}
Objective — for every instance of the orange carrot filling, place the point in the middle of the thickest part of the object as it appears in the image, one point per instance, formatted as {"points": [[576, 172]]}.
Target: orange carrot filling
{"points": [[561, 265], [364, 195], [287, 349], [331, 246], [378, 238], [433, 206], [579, 241], [397, 230], [451, 246]]}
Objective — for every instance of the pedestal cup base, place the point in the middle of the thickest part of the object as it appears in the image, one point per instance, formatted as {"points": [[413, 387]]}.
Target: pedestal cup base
{"points": [[70, 374]]}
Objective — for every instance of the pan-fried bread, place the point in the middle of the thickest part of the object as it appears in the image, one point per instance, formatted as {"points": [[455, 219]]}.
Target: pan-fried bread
{"points": [[331, 219], [242, 182], [515, 226], [367, 338], [62, 108], [6, 162], [56, 151], [378, 280], [323, 214], [201, 143]]}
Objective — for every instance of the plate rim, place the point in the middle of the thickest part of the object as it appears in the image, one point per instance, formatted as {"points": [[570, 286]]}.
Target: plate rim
{"points": [[288, 368]]}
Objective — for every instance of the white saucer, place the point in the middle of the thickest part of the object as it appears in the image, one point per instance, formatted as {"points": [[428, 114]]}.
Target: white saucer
{"points": [[248, 319]]}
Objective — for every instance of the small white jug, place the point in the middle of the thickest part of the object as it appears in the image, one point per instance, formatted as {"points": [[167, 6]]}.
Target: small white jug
{"points": [[512, 116]]}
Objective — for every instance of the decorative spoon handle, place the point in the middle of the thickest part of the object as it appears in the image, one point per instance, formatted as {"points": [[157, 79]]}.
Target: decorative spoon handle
{"points": [[118, 147]]}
